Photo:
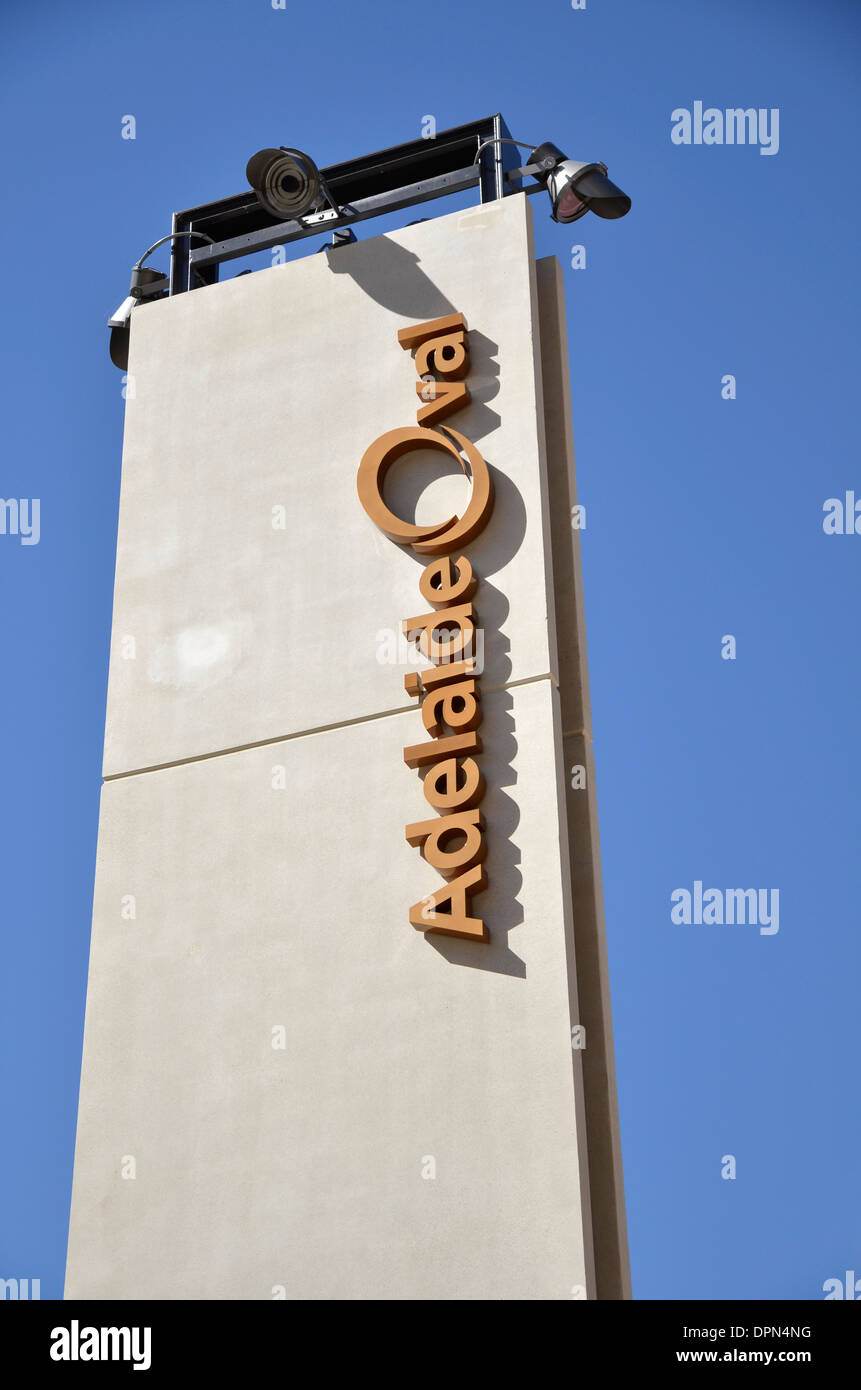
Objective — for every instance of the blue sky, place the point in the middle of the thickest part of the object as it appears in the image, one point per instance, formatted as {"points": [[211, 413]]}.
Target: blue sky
{"points": [[704, 518]]}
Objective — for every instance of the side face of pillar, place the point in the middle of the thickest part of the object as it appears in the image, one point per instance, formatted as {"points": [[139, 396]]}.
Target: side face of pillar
{"points": [[287, 1090], [612, 1268]]}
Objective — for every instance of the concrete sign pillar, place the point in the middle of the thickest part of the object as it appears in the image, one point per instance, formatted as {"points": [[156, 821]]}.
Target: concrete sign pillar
{"points": [[292, 1085]]}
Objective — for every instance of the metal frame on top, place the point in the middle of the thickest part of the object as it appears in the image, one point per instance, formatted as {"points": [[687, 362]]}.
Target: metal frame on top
{"points": [[377, 183]]}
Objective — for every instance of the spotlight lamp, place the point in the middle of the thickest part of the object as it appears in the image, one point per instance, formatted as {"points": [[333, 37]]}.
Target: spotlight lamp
{"points": [[288, 183], [146, 284], [574, 187]]}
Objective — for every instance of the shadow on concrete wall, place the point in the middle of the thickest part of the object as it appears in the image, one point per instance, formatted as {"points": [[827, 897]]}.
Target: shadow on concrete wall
{"points": [[390, 275]]}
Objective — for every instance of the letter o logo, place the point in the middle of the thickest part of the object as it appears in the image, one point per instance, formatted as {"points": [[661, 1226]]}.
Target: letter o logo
{"points": [[445, 536]]}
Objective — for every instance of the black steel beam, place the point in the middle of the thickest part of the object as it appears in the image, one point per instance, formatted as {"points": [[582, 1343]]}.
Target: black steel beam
{"points": [[328, 220]]}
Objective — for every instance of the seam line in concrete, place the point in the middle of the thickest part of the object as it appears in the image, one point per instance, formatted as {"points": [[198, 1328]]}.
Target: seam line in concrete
{"points": [[304, 733]]}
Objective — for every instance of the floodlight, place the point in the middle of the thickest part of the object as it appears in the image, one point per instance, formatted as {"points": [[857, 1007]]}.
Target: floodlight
{"points": [[146, 284], [576, 187], [287, 182]]}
